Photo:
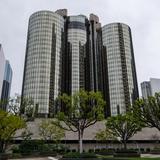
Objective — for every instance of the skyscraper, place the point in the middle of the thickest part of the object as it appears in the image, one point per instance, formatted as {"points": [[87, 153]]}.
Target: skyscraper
{"points": [[77, 38], [5, 79], [42, 69], [67, 53], [149, 88], [146, 89], [2, 67], [95, 27], [120, 66]]}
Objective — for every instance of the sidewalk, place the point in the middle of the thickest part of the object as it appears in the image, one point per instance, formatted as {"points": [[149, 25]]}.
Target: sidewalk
{"points": [[44, 158], [150, 155]]}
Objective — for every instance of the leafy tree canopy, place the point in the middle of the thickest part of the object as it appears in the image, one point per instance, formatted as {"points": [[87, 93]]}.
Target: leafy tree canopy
{"points": [[82, 110], [9, 124], [14, 105], [50, 131], [105, 135], [124, 126], [148, 110]]}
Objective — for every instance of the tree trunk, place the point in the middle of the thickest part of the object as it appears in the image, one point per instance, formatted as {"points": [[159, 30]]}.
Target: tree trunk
{"points": [[80, 141], [2, 145], [125, 144]]}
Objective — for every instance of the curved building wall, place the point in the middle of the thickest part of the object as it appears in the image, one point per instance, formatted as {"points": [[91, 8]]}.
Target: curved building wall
{"points": [[42, 74], [77, 37], [117, 42]]}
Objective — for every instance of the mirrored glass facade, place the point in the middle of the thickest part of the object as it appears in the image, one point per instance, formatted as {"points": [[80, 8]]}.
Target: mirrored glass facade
{"points": [[117, 42], [42, 76], [6, 87], [67, 53], [5, 79], [2, 67], [149, 88], [77, 37]]}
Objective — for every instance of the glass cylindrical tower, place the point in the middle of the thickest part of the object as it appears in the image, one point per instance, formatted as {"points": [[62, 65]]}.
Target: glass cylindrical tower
{"points": [[122, 81], [77, 37], [42, 70]]}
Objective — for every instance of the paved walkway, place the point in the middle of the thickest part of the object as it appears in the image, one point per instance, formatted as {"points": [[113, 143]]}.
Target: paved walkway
{"points": [[150, 155], [44, 158]]}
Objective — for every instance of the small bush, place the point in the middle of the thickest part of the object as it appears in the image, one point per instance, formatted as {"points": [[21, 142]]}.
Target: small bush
{"points": [[15, 149], [137, 149], [105, 151], [73, 150], [148, 149], [16, 155], [68, 150], [31, 146], [78, 155], [90, 150], [62, 150], [155, 150], [97, 150], [142, 149], [126, 153]]}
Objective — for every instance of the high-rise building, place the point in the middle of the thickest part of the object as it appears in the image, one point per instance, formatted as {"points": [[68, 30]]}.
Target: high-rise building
{"points": [[2, 67], [5, 79], [42, 69], [95, 27], [155, 85], [146, 89], [149, 88], [67, 53], [120, 66], [77, 38]]}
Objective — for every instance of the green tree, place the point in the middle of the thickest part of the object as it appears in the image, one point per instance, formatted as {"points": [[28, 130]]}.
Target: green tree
{"points": [[124, 126], [105, 135], [26, 134], [9, 124], [3, 102], [148, 111], [14, 105], [50, 131], [82, 110], [29, 108]]}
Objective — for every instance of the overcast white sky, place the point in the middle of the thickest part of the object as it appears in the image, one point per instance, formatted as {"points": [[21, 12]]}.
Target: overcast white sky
{"points": [[143, 16]]}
